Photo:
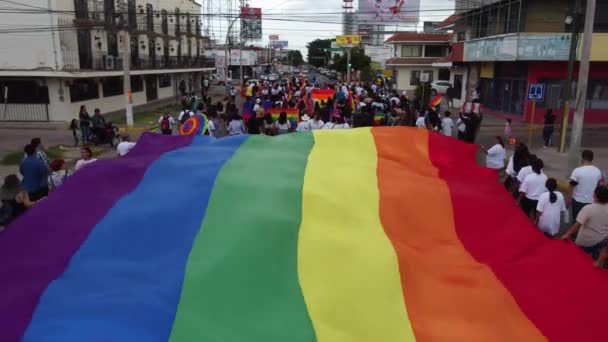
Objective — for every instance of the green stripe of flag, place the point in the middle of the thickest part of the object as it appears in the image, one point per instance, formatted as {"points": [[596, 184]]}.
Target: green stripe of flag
{"points": [[241, 279]]}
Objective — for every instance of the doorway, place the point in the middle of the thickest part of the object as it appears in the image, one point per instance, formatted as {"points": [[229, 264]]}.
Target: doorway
{"points": [[151, 88]]}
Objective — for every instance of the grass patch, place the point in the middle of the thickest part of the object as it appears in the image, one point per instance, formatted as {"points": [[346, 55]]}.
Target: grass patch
{"points": [[147, 118], [15, 158]]}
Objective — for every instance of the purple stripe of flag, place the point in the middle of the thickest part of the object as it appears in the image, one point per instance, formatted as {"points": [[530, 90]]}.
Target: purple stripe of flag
{"points": [[33, 255]]}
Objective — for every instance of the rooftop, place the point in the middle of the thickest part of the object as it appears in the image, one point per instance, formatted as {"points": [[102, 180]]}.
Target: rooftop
{"points": [[407, 37]]}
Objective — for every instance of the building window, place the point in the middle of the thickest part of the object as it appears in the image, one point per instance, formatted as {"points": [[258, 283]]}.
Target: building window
{"points": [[112, 86], [411, 51], [164, 22], [164, 81], [435, 51], [82, 90], [137, 84], [26, 91], [597, 94], [415, 77]]}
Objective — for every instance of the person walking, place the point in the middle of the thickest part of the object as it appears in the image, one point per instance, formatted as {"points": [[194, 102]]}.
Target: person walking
{"points": [[495, 156], [34, 173], [531, 188], [166, 122], [549, 209], [86, 156], [85, 125], [58, 174], [447, 124], [235, 126], [583, 181], [592, 227], [549, 127]]}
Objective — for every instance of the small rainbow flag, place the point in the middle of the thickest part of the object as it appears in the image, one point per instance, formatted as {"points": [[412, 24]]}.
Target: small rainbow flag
{"points": [[435, 103], [292, 114], [378, 117], [291, 253]]}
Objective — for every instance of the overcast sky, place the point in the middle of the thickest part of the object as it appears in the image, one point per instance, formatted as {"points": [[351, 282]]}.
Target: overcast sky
{"points": [[280, 16]]}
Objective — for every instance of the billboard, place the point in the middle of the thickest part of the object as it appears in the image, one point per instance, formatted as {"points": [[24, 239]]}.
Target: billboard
{"points": [[348, 40], [279, 43], [388, 11], [273, 37], [251, 23]]}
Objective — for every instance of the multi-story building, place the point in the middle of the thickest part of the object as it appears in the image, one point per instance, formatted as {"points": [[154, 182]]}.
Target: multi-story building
{"points": [[417, 54], [501, 47], [70, 53]]}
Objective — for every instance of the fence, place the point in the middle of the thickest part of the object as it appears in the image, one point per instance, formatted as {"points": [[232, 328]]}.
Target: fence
{"points": [[24, 112]]}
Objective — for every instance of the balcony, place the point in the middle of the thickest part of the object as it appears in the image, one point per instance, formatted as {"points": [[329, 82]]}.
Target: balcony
{"points": [[523, 46], [105, 62]]}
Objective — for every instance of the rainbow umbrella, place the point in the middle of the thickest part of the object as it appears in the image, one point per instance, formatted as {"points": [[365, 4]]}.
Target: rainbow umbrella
{"points": [[383, 234], [195, 125]]}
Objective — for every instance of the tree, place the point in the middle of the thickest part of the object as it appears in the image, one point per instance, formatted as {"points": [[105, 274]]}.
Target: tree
{"points": [[294, 57], [358, 61], [316, 55]]}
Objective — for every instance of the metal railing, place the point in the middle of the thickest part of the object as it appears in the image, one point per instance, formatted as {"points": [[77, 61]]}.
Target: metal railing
{"points": [[24, 112], [101, 62]]}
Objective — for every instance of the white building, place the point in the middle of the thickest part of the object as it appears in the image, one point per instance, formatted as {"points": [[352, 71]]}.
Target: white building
{"points": [[47, 74], [416, 54]]}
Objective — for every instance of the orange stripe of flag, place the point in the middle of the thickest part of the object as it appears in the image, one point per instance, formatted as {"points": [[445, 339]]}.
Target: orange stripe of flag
{"points": [[448, 294]]}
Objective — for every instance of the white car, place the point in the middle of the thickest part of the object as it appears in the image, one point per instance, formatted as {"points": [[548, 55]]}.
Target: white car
{"points": [[440, 87]]}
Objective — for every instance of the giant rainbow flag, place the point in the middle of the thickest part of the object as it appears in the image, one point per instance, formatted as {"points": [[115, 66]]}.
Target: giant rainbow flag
{"points": [[382, 234]]}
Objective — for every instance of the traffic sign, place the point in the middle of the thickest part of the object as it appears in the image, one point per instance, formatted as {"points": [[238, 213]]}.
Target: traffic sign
{"points": [[536, 92]]}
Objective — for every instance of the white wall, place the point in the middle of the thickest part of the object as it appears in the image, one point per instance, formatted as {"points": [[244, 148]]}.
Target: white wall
{"points": [[28, 50], [66, 110], [404, 75]]}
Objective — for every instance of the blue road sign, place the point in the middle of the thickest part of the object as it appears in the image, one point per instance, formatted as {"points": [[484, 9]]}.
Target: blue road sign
{"points": [[536, 92]]}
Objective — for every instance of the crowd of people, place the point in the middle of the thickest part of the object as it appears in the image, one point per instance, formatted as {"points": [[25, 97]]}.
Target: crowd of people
{"points": [[40, 176], [356, 104], [538, 197]]}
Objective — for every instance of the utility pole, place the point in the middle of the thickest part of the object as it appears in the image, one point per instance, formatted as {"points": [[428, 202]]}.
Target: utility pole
{"points": [[126, 66], [581, 90], [348, 53], [576, 24], [226, 52]]}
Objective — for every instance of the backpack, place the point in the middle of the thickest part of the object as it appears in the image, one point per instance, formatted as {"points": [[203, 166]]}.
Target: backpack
{"points": [[186, 116], [165, 125]]}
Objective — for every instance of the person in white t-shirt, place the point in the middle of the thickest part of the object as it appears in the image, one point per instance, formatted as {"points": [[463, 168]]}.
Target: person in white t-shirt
{"points": [[87, 158], [125, 146], [549, 209], [316, 123], [532, 187], [341, 124], [304, 125], [447, 124], [461, 128], [592, 227], [257, 106], [421, 121], [495, 158], [184, 115], [526, 170], [584, 180]]}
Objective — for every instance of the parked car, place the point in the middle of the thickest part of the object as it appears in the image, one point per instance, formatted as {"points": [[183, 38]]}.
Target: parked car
{"points": [[440, 87]]}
